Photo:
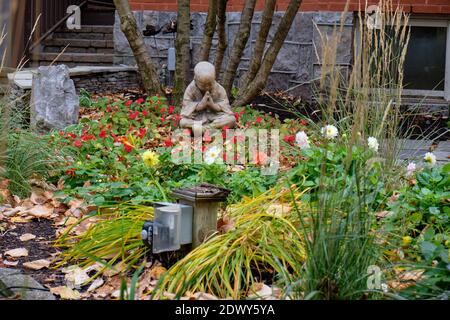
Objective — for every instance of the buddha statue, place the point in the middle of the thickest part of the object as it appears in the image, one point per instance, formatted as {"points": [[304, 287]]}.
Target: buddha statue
{"points": [[205, 102]]}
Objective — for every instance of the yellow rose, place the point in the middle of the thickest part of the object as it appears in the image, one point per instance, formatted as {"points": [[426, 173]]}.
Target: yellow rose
{"points": [[150, 159]]}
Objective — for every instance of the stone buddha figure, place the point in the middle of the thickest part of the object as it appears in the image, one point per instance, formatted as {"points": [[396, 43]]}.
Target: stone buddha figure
{"points": [[205, 101]]}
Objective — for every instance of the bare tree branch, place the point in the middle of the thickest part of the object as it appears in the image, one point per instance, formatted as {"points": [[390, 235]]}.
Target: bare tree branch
{"points": [[134, 36], [210, 28], [221, 21], [239, 44], [182, 48], [260, 45], [257, 85]]}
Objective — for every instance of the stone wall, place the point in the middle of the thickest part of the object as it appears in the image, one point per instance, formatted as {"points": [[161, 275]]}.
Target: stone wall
{"points": [[298, 62], [107, 81]]}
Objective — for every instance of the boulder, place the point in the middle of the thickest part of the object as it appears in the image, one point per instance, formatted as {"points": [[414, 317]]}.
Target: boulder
{"points": [[54, 102], [14, 283]]}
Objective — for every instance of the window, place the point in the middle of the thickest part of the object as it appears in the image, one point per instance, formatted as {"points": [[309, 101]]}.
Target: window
{"points": [[427, 64]]}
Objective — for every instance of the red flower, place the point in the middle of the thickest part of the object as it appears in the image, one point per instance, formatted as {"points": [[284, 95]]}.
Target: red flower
{"points": [[260, 158], [168, 143], [236, 115], [142, 133], [87, 137], [177, 117], [258, 119], [207, 137], [171, 109], [78, 144], [162, 110], [71, 172], [116, 138], [224, 132], [72, 135], [139, 101], [128, 147], [163, 119], [108, 109], [102, 134], [61, 133], [289, 139], [145, 113], [303, 122], [133, 115], [128, 103]]}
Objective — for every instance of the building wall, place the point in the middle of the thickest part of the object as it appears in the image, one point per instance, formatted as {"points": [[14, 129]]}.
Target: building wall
{"points": [[297, 63], [413, 6]]}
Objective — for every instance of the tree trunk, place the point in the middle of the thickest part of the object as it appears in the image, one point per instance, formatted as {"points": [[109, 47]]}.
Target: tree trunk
{"points": [[239, 44], [259, 82], [260, 45], [210, 28], [182, 49], [221, 21], [134, 36]]}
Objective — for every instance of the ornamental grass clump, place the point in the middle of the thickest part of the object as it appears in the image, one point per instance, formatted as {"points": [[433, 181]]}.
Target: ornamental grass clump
{"points": [[262, 242], [113, 236]]}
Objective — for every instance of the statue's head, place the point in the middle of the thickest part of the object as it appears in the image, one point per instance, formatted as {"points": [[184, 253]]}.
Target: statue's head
{"points": [[205, 76]]}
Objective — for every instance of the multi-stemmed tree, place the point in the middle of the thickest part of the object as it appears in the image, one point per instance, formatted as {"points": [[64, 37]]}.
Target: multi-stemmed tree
{"points": [[262, 59]]}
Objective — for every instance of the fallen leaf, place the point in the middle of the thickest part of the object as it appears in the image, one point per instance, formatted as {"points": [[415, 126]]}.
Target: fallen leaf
{"points": [[261, 291], [17, 253], [10, 263], [21, 220], [66, 293], [27, 237], [75, 276], [41, 211], [37, 265], [225, 224], [37, 199], [116, 269], [204, 296], [278, 209], [157, 271], [97, 283]]}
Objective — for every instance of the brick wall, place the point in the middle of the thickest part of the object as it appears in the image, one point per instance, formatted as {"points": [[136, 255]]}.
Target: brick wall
{"points": [[413, 6]]}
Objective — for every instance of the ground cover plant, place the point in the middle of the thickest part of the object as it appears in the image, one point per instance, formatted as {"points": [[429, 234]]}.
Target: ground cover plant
{"points": [[340, 205]]}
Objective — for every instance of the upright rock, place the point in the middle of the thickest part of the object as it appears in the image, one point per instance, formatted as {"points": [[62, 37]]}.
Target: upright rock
{"points": [[54, 102]]}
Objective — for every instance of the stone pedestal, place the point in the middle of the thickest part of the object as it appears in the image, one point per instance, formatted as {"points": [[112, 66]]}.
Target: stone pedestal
{"points": [[205, 199]]}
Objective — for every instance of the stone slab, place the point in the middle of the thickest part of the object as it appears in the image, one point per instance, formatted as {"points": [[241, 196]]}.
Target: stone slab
{"points": [[32, 290]]}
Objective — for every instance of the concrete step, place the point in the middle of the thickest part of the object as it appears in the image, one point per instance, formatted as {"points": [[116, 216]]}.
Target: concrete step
{"points": [[78, 46], [78, 50], [83, 36], [90, 29], [79, 43], [44, 58]]}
